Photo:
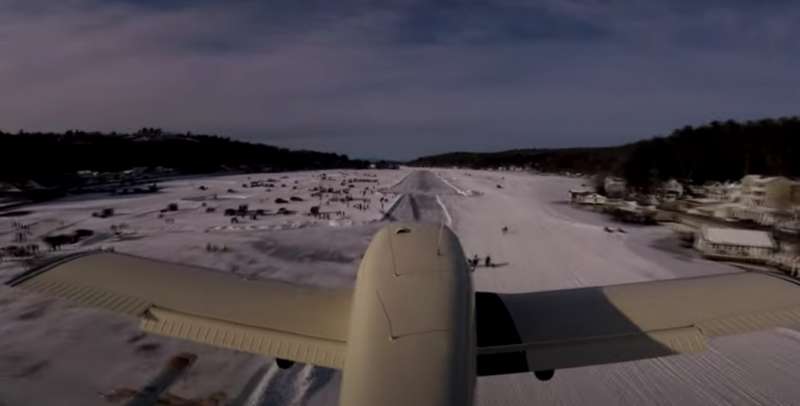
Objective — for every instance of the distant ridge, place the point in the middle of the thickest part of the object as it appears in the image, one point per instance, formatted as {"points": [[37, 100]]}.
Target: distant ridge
{"points": [[716, 151], [52, 159], [584, 160]]}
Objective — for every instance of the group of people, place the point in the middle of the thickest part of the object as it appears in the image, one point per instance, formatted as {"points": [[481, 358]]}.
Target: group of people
{"points": [[475, 261]]}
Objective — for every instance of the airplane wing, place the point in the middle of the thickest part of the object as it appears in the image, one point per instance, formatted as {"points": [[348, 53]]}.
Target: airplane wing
{"points": [[263, 317], [544, 331]]}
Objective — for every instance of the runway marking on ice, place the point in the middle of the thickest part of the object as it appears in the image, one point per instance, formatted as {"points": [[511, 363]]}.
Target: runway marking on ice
{"points": [[399, 181], [388, 212], [257, 395], [459, 191], [245, 228], [444, 209], [269, 227]]}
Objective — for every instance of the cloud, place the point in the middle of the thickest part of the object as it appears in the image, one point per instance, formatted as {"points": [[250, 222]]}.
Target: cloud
{"points": [[397, 79]]}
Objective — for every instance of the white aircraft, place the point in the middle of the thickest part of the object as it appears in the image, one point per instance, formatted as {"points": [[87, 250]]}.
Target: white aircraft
{"points": [[413, 331]]}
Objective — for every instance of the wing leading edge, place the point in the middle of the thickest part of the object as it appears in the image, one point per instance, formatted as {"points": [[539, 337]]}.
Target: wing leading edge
{"points": [[543, 331], [537, 331], [264, 317]]}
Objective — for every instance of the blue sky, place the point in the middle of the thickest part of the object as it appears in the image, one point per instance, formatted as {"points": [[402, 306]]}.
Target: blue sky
{"points": [[398, 79]]}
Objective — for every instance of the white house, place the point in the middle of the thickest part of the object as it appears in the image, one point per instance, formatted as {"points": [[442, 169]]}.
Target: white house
{"points": [[758, 214], [722, 211], [583, 196], [724, 192], [775, 192], [733, 243]]}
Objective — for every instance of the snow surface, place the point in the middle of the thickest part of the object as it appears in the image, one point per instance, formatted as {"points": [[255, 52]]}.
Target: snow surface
{"points": [[552, 245], [57, 353]]}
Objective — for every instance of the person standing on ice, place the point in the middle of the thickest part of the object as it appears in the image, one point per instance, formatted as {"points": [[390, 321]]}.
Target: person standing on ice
{"points": [[488, 261]]}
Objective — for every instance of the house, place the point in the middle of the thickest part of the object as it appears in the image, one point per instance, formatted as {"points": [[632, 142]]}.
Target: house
{"points": [[585, 196], [721, 192], [757, 214], [649, 200], [736, 244], [789, 227], [671, 190], [9, 189], [614, 187], [722, 211], [774, 192], [786, 262], [632, 212], [732, 191], [87, 174]]}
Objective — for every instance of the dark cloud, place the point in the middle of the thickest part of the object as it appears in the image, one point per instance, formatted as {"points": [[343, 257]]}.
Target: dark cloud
{"points": [[398, 79]]}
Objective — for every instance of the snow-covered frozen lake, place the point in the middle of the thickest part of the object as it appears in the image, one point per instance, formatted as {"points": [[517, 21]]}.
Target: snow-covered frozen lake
{"points": [[56, 353]]}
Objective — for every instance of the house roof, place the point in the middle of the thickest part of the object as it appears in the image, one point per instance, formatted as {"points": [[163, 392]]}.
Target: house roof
{"points": [[735, 236], [761, 179], [581, 191]]}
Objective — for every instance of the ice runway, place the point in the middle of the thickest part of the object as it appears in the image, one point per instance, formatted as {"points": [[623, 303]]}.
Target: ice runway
{"points": [[422, 192]]}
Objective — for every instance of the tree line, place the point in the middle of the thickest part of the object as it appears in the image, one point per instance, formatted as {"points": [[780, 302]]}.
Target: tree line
{"points": [[53, 159], [717, 151]]}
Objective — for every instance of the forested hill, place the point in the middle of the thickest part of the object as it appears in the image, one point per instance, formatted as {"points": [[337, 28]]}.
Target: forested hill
{"points": [[718, 151], [50, 158], [715, 151], [584, 160]]}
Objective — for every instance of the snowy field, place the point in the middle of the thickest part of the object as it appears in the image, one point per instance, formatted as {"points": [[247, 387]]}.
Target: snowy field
{"points": [[56, 353]]}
